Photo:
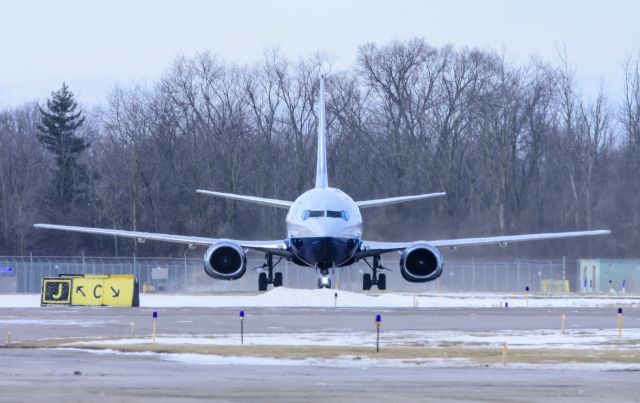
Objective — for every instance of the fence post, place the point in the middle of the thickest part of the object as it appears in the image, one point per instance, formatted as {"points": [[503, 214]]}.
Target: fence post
{"points": [[184, 281]]}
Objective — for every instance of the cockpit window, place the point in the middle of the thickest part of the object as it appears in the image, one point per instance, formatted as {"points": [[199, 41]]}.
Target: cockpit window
{"points": [[338, 214], [312, 214], [321, 213]]}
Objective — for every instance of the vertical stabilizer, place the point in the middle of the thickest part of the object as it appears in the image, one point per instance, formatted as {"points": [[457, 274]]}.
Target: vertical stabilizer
{"points": [[322, 179]]}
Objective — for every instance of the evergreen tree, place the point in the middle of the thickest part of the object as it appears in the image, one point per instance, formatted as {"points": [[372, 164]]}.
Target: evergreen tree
{"points": [[58, 134]]}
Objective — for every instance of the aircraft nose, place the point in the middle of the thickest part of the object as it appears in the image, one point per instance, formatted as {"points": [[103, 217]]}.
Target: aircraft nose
{"points": [[325, 227]]}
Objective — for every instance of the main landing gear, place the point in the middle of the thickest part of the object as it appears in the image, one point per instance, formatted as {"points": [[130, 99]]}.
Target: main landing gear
{"points": [[379, 280], [269, 277]]}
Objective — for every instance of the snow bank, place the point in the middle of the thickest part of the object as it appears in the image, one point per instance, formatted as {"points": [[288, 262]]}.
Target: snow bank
{"points": [[544, 339], [324, 298]]}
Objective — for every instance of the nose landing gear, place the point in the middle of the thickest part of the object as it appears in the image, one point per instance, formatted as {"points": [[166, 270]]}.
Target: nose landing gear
{"points": [[379, 280], [269, 277]]}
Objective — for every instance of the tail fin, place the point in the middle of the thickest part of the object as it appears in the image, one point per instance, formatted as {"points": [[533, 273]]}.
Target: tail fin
{"points": [[322, 178]]}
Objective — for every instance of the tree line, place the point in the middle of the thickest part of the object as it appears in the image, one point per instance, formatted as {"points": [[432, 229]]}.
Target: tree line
{"points": [[518, 148]]}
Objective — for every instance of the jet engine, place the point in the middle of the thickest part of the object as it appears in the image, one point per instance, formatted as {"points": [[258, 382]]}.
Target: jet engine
{"points": [[420, 263], [225, 261]]}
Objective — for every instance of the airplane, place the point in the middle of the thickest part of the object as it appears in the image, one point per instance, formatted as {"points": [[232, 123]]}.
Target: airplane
{"points": [[324, 231]]}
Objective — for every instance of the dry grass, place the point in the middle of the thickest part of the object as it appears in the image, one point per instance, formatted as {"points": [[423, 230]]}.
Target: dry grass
{"points": [[474, 355]]}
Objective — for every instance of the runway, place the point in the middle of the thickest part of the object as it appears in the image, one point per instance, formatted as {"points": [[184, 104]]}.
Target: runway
{"points": [[53, 322], [263, 369], [46, 376]]}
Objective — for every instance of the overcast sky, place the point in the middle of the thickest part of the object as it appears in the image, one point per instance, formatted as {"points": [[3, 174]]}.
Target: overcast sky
{"points": [[94, 44]]}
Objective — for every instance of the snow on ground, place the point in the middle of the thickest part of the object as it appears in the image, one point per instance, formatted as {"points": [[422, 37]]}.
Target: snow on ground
{"points": [[548, 338], [324, 298], [359, 362], [52, 322], [19, 300]]}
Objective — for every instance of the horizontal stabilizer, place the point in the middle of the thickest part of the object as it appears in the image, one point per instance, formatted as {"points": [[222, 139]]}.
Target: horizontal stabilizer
{"points": [[250, 199], [394, 200]]}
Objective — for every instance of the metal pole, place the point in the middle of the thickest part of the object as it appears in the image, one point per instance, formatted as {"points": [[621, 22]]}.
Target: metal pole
{"points": [[185, 272]]}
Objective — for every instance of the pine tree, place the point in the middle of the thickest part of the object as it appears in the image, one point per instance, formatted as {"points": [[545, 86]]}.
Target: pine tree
{"points": [[58, 134]]}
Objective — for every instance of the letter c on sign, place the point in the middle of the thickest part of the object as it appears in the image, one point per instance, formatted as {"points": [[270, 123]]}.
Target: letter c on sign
{"points": [[95, 291]]}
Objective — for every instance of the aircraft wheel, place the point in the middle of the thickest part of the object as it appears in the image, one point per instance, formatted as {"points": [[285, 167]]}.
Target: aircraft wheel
{"points": [[277, 280], [366, 282], [262, 282], [382, 281]]}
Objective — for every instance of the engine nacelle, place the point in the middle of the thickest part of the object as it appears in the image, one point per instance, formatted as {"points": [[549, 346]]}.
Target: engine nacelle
{"points": [[420, 263], [225, 261]]}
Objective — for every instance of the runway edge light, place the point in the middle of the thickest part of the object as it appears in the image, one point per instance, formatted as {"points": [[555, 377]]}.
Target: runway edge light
{"points": [[241, 327], [619, 322], [378, 322], [155, 326]]}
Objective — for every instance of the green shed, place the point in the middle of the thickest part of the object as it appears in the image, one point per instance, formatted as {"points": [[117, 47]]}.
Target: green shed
{"points": [[605, 275]]}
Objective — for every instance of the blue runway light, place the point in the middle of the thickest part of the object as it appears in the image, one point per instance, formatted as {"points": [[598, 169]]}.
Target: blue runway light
{"points": [[527, 289], [155, 314], [619, 311], [242, 314], [378, 319]]}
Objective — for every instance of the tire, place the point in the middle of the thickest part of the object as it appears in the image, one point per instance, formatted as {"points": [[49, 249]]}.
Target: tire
{"points": [[366, 282], [262, 282], [382, 281], [277, 280]]}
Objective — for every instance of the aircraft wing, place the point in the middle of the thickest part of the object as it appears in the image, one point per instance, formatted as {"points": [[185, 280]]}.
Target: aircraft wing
{"points": [[368, 248], [250, 199], [394, 200], [278, 247]]}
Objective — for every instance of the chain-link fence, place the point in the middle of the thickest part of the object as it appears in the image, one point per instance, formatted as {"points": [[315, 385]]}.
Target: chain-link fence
{"points": [[23, 274]]}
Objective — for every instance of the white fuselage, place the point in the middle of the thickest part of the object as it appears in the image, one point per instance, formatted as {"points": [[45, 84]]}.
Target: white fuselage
{"points": [[322, 226]]}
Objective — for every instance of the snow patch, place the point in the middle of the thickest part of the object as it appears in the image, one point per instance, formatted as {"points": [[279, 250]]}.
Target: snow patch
{"points": [[324, 298]]}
